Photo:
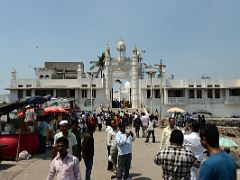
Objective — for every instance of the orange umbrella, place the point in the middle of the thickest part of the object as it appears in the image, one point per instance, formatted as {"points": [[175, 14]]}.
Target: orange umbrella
{"points": [[54, 109]]}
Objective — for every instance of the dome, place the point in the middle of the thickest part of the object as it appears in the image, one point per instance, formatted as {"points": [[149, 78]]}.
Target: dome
{"points": [[127, 85], [121, 45]]}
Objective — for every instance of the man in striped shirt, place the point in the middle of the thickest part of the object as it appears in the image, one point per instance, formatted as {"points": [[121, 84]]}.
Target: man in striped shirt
{"points": [[175, 160]]}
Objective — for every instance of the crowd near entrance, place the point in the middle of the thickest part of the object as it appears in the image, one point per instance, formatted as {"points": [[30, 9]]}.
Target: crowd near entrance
{"points": [[121, 94]]}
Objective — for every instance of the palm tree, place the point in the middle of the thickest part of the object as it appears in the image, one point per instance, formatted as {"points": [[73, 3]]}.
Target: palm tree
{"points": [[100, 63]]}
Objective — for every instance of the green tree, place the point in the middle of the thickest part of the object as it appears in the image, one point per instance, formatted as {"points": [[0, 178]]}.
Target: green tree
{"points": [[100, 63]]}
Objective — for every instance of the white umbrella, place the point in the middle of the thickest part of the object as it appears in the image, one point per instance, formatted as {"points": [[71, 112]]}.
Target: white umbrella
{"points": [[175, 109]]}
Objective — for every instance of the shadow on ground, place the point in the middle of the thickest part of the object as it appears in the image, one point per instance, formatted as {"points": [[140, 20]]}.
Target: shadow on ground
{"points": [[5, 166], [44, 156], [141, 178], [135, 176]]}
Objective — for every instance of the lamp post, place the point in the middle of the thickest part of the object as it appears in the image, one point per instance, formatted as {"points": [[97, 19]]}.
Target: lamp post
{"points": [[91, 79], [140, 74], [161, 70], [120, 83], [151, 73]]}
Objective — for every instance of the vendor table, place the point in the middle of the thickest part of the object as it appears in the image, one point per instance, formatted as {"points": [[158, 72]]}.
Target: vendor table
{"points": [[2, 146], [28, 142]]}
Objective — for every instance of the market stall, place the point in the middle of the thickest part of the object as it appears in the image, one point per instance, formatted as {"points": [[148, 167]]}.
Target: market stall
{"points": [[19, 127], [29, 142]]}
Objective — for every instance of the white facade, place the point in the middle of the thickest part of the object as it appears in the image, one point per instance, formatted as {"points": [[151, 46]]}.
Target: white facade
{"points": [[68, 79]]}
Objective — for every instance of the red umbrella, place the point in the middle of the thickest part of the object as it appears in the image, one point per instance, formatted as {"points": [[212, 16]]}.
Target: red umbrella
{"points": [[54, 109]]}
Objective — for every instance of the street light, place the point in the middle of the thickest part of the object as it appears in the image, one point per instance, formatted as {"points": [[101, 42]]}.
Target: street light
{"points": [[140, 73], [151, 72], [120, 83], [91, 76], [161, 70]]}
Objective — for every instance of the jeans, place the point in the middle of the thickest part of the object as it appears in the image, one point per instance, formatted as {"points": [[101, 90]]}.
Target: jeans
{"points": [[110, 164], [148, 136], [88, 164], [137, 128], [42, 140], [124, 163]]}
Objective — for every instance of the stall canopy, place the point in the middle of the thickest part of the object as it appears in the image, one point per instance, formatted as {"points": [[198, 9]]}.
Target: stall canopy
{"points": [[20, 104], [38, 99], [54, 109], [10, 107]]}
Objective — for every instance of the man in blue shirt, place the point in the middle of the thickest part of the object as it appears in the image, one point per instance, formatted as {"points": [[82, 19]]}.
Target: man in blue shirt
{"points": [[219, 165], [124, 145], [43, 132]]}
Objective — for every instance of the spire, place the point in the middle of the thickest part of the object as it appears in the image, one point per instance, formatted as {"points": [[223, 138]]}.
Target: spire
{"points": [[14, 74], [121, 48]]}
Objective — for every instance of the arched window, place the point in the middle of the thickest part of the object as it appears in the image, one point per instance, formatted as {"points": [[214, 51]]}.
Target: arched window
{"points": [[41, 76], [47, 77]]}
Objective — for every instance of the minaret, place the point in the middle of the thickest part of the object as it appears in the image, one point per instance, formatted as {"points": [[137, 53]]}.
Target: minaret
{"points": [[14, 74], [121, 48], [108, 81], [134, 79]]}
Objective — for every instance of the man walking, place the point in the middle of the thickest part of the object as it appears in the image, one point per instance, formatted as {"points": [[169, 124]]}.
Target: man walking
{"points": [[150, 130], [192, 143], [219, 165], [64, 165], [43, 132], [144, 120], [76, 131], [109, 131], [72, 141], [175, 160], [124, 146], [113, 149], [88, 150], [167, 132], [137, 123]]}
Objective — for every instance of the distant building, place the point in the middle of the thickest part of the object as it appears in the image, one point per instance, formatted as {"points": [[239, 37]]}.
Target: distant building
{"points": [[4, 98], [148, 86]]}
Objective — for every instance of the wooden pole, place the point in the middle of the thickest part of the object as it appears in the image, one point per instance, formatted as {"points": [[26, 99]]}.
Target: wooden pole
{"points": [[20, 133]]}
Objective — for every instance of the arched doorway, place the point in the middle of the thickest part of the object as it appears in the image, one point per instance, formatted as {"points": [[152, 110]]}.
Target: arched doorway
{"points": [[121, 97]]}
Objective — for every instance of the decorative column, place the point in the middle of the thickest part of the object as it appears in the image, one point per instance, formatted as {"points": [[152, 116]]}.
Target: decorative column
{"points": [[134, 79], [54, 92], [76, 94], [108, 82]]}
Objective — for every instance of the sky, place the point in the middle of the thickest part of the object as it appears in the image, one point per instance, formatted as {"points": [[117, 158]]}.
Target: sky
{"points": [[192, 37]]}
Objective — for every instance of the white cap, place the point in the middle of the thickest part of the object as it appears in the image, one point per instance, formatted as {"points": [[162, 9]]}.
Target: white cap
{"points": [[63, 122]]}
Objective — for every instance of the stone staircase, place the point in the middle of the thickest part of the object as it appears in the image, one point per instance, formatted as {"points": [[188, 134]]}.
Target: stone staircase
{"points": [[130, 110]]}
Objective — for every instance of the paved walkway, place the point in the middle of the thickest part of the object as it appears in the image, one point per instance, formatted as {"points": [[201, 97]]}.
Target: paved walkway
{"points": [[36, 168], [143, 167]]}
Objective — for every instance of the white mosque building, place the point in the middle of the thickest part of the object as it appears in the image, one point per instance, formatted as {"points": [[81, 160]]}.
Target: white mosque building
{"points": [[129, 79]]}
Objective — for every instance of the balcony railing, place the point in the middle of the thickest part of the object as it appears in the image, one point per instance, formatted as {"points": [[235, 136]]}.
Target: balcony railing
{"points": [[183, 100], [232, 100]]}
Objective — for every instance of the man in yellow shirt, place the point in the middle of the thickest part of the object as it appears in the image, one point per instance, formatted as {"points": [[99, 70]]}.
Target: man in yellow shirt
{"points": [[167, 133]]}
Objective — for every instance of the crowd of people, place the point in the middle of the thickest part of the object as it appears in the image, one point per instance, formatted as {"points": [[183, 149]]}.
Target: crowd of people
{"points": [[189, 152], [194, 153]]}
